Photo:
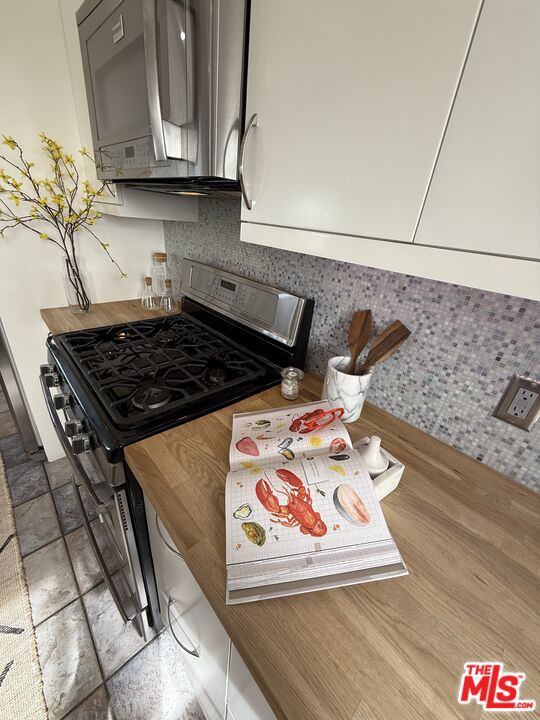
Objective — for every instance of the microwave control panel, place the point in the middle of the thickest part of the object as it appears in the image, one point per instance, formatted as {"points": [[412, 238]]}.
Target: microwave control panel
{"points": [[135, 155]]}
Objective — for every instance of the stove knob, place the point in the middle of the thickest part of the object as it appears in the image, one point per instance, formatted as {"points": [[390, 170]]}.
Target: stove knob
{"points": [[61, 401], [45, 369], [73, 427], [52, 379], [80, 443]]}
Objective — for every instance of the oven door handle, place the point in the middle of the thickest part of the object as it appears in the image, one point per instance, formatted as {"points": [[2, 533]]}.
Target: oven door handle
{"points": [[126, 617], [76, 466]]}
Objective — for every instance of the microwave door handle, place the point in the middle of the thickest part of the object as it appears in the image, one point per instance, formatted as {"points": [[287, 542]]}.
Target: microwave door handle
{"points": [[152, 78]]}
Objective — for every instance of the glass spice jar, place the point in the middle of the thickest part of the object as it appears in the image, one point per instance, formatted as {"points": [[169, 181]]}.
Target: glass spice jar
{"points": [[290, 384], [168, 301], [149, 300], [159, 273]]}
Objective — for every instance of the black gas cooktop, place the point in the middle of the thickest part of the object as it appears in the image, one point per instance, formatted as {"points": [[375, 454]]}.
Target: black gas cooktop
{"points": [[150, 368], [127, 382]]}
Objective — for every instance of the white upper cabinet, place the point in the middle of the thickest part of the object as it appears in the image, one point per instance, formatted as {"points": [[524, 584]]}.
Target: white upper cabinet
{"points": [[485, 193], [352, 98]]}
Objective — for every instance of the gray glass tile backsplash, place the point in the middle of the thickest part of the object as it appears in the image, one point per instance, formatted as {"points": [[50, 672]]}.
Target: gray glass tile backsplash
{"points": [[447, 379]]}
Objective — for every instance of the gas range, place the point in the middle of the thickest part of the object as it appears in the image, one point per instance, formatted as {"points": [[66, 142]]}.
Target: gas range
{"points": [[109, 387], [130, 381]]}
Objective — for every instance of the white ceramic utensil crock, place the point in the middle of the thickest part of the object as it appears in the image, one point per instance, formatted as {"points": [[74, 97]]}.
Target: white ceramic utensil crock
{"points": [[344, 390]]}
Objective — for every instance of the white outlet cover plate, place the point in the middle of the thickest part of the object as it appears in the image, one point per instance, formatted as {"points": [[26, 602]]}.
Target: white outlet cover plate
{"points": [[520, 404]]}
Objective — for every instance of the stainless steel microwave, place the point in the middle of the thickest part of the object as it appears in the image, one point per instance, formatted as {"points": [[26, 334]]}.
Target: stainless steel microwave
{"points": [[165, 87]]}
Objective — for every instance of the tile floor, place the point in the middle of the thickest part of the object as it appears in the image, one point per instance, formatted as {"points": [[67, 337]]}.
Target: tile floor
{"points": [[94, 667]]}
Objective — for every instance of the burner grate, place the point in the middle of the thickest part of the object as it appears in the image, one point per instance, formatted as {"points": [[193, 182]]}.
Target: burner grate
{"points": [[145, 369]]}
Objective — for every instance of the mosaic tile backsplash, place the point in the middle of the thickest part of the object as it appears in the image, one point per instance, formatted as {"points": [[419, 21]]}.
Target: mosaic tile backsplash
{"points": [[465, 344]]}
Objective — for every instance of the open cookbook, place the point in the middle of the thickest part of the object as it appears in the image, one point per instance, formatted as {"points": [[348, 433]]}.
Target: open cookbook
{"points": [[301, 510]]}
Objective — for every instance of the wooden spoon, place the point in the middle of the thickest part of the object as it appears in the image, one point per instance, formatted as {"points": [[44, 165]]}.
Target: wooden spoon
{"points": [[359, 332], [385, 345]]}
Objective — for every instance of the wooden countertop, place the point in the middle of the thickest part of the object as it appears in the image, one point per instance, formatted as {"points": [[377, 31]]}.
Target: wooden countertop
{"points": [[61, 319], [389, 649]]}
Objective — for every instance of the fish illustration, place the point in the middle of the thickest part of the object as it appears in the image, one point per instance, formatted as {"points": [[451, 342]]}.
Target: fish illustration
{"points": [[247, 446], [350, 506]]}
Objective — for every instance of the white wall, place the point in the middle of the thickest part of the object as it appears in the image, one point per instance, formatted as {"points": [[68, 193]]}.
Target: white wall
{"points": [[37, 95]]}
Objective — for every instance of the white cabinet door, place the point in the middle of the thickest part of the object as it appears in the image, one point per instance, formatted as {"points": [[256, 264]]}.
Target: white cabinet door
{"points": [[204, 647], [173, 576], [244, 699], [201, 639], [485, 193], [352, 99]]}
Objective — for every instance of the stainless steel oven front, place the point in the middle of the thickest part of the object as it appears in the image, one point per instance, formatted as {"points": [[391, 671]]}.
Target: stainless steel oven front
{"points": [[164, 83], [100, 490]]}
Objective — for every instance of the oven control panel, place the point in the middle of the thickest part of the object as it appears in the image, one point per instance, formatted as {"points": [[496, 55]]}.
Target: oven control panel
{"points": [[269, 310], [66, 423]]}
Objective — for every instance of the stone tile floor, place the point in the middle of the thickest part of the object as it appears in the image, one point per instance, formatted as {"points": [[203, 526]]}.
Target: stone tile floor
{"points": [[94, 667]]}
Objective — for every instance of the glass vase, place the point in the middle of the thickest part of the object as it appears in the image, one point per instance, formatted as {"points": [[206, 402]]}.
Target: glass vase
{"points": [[75, 287]]}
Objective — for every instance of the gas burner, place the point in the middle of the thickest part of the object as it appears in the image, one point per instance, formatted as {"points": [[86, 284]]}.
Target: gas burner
{"points": [[215, 372], [151, 397], [166, 338], [124, 335]]}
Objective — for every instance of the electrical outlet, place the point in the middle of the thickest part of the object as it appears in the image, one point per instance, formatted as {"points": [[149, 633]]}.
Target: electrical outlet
{"points": [[520, 404]]}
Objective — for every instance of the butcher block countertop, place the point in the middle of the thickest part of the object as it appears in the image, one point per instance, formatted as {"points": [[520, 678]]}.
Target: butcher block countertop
{"points": [[61, 319], [385, 650]]}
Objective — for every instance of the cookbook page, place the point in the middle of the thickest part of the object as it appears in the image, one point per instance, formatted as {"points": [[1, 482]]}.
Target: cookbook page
{"points": [[286, 434], [308, 505]]}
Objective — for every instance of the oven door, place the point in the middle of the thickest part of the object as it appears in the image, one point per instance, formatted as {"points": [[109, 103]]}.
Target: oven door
{"points": [[138, 68], [111, 535], [109, 540]]}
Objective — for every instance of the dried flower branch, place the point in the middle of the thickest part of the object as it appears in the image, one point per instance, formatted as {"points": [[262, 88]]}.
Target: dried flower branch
{"points": [[55, 207]]}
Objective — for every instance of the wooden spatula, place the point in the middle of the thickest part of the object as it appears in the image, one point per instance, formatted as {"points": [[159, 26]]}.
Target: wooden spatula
{"points": [[359, 332], [385, 345]]}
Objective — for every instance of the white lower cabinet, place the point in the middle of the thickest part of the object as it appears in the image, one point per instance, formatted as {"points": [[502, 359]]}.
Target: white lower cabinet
{"points": [[204, 648], [172, 574], [201, 639], [222, 682], [244, 699]]}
